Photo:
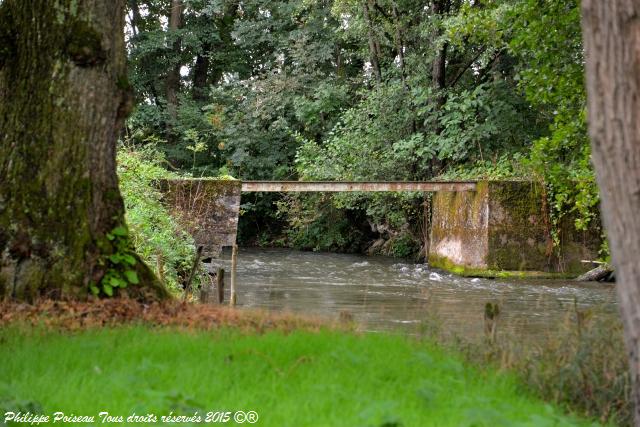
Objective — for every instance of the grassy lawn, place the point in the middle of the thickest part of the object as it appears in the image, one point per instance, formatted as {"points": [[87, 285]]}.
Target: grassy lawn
{"points": [[327, 378]]}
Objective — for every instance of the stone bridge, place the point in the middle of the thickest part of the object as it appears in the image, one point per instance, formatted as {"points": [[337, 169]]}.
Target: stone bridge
{"points": [[478, 228]]}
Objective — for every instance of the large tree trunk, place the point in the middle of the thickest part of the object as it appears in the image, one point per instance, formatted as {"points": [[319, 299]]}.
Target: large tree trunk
{"points": [[611, 32], [63, 98], [172, 82]]}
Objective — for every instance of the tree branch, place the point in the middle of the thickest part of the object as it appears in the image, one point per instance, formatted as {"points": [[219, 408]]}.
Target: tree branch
{"points": [[487, 67], [464, 69]]}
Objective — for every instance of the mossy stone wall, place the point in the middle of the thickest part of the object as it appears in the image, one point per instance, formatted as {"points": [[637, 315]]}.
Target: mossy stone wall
{"points": [[207, 208], [518, 233], [502, 229]]}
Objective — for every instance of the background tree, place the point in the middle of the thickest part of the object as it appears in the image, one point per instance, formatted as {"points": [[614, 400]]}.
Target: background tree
{"points": [[64, 96], [370, 90], [612, 45], [172, 83]]}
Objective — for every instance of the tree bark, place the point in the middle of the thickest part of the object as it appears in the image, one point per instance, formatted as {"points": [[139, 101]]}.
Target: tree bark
{"points": [[399, 43], [201, 74], [439, 66], [600, 273], [204, 72], [172, 82], [374, 49], [225, 25], [439, 77], [439, 73], [64, 96], [611, 33], [135, 18]]}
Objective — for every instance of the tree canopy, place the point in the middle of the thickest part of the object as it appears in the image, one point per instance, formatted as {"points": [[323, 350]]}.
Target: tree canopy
{"points": [[364, 90]]}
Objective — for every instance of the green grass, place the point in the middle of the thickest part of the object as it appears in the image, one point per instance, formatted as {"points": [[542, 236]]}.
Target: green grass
{"points": [[329, 378]]}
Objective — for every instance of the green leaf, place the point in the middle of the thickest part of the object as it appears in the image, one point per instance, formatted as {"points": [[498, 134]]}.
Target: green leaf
{"points": [[129, 259], [132, 277], [120, 231], [115, 258], [107, 289], [94, 289], [117, 282]]}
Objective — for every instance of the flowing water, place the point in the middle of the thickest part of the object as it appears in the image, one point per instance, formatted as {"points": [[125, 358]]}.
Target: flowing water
{"points": [[388, 294]]}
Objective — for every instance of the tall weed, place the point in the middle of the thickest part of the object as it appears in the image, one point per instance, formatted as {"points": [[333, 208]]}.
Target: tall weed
{"points": [[581, 365]]}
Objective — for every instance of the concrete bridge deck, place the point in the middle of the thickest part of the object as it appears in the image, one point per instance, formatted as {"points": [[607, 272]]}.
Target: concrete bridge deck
{"points": [[365, 186]]}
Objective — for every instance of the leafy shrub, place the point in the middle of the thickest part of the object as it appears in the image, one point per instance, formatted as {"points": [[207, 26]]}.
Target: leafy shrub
{"points": [[155, 234], [314, 223], [120, 272], [404, 246], [502, 167]]}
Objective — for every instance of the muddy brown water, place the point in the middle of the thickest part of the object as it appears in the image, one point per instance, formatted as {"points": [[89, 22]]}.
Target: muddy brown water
{"points": [[383, 294]]}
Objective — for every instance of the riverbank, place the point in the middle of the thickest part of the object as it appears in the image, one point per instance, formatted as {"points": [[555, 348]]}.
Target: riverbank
{"points": [[298, 379], [127, 358], [115, 312]]}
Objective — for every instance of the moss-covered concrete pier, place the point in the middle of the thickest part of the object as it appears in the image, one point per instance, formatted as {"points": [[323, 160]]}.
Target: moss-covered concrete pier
{"points": [[503, 229]]}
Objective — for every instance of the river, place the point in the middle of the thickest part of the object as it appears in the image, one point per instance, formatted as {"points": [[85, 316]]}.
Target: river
{"points": [[382, 293]]}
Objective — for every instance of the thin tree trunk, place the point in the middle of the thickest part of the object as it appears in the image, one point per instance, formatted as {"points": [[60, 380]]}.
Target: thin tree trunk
{"points": [[136, 18], [339, 65], [173, 77], [439, 66], [611, 32], [134, 29], [439, 78], [374, 48], [201, 74], [225, 25], [64, 96], [439, 73], [399, 43]]}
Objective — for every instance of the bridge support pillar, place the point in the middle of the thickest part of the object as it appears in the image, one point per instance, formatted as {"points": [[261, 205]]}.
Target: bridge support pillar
{"points": [[206, 208], [503, 229]]}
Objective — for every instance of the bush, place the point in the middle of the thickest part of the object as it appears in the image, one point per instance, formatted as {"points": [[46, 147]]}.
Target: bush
{"points": [[156, 235], [404, 246], [315, 223]]}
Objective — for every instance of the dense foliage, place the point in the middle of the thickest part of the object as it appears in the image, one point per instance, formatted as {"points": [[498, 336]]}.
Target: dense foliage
{"points": [[155, 234], [363, 90]]}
